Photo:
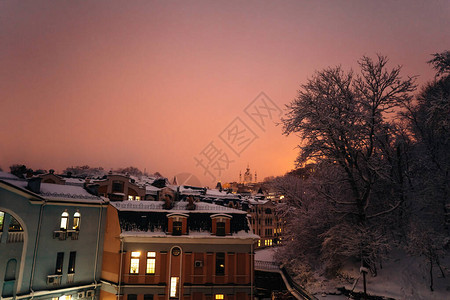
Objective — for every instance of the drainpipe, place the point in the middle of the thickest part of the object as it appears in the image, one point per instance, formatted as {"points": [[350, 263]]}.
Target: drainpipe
{"points": [[36, 244], [96, 249], [120, 267], [252, 271]]}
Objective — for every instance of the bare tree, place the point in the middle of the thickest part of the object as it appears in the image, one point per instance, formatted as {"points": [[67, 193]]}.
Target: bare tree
{"points": [[343, 118], [346, 123]]}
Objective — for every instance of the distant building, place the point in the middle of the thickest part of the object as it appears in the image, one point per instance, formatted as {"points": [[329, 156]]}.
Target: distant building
{"points": [[248, 177], [177, 250], [118, 187], [51, 239]]}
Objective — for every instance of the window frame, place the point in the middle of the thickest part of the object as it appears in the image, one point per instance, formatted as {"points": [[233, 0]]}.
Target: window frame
{"points": [[174, 287], [59, 263], [135, 260], [220, 263], [76, 221], [178, 226], [151, 263], [72, 261], [64, 222]]}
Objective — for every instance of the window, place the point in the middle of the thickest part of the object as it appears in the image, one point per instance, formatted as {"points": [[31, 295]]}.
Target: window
{"points": [[151, 263], [137, 198], [134, 264], [177, 228], [174, 287], [64, 220], [148, 296], [220, 263], [259, 243], [72, 257], [14, 225], [117, 187], [59, 263], [219, 297], [2, 217], [131, 297], [130, 198], [76, 221], [220, 228]]}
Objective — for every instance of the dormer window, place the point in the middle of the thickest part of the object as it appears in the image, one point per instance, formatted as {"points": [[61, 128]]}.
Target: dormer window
{"points": [[177, 223], [64, 220], [221, 224], [76, 221], [177, 228], [220, 228]]}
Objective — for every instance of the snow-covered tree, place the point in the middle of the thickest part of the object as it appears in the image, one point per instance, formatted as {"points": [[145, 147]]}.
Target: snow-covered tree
{"points": [[346, 123]]}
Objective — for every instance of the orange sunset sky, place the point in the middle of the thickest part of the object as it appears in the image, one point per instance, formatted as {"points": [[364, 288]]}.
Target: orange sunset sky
{"points": [[152, 84]]}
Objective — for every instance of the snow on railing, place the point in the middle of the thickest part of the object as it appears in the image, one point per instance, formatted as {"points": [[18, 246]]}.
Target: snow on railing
{"points": [[149, 205], [266, 265]]}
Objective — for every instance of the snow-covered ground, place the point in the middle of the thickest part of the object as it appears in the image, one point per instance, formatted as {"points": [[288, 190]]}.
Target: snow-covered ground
{"points": [[266, 254], [402, 277]]}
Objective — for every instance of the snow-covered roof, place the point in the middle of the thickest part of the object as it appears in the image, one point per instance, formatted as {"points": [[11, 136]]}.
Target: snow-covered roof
{"points": [[181, 207], [152, 190], [74, 181], [214, 193], [257, 202], [205, 234], [5, 175], [190, 191], [61, 192]]}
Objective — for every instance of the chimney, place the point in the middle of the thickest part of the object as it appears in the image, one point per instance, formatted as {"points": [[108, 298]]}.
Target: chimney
{"points": [[167, 202], [191, 204], [34, 184]]}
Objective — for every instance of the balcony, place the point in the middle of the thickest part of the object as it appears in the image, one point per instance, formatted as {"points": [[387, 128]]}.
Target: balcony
{"points": [[15, 237], [60, 234], [54, 280], [70, 277], [73, 234]]}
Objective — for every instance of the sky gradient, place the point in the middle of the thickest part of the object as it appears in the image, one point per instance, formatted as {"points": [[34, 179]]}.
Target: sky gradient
{"points": [[152, 83]]}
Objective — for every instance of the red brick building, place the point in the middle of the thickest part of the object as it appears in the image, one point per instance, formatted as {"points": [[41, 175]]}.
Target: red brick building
{"points": [[183, 250]]}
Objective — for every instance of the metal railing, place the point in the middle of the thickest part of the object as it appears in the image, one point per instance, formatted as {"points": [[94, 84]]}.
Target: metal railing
{"points": [[262, 265], [15, 237]]}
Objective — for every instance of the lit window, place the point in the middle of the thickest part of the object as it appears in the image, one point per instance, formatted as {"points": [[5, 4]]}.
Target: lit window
{"points": [[174, 286], [259, 243], [2, 216], [134, 264], [151, 262], [219, 297], [137, 198], [76, 221], [65, 297], [130, 198], [64, 220]]}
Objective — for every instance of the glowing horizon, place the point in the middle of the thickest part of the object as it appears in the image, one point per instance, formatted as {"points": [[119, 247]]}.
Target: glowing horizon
{"points": [[150, 84]]}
